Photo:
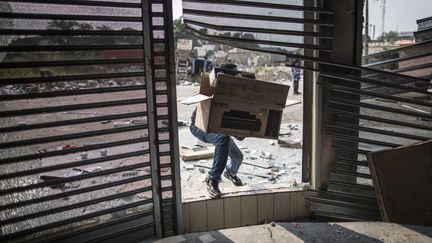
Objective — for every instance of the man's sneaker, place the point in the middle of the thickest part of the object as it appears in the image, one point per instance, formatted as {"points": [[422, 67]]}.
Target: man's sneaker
{"points": [[213, 189], [235, 179]]}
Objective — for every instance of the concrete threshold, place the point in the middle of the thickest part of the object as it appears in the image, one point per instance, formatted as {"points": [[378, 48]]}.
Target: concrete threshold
{"points": [[312, 232]]}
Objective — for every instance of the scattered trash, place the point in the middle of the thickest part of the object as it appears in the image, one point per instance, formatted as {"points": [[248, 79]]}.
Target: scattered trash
{"points": [[88, 170], [75, 184], [53, 178], [103, 153], [84, 155], [290, 142], [22, 123], [271, 142], [106, 121], [122, 123], [66, 146], [139, 121], [181, 123], [267, 155], [201, 170], [253, 157], [130, 173], [189, 166]]}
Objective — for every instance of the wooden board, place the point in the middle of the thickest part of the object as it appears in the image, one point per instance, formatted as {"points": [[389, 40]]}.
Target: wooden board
{"points": [[292, 102], [190, 154], [402, 179]]}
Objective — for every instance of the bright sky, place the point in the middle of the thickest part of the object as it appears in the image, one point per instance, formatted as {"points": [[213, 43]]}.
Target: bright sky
{"points": [[401, 15]]}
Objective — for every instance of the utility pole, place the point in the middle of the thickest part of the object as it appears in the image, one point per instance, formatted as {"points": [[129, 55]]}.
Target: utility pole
{"points": [[366, 35], [383, 17]]}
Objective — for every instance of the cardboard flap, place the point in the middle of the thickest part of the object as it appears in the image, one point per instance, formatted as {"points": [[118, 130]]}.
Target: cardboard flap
{"points": [[250, 91], [205, 88], [195, 99]]}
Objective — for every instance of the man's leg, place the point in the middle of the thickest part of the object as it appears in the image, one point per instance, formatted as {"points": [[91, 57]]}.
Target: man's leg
{"points": [[296, 84], [221, 143], [236, 158]]}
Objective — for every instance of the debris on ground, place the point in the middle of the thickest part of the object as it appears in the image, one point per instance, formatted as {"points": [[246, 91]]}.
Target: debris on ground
{"points": [[290, 142], [53, 178], [122, 123], [88, 170], [189, 166], [197, 152]]}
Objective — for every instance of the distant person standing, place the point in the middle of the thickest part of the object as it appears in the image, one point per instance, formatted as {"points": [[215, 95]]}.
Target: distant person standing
{"points": [[296, 75]]}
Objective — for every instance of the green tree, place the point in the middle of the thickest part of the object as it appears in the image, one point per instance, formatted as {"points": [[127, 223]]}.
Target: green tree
{"points": [[390, 36], [181, 32]]}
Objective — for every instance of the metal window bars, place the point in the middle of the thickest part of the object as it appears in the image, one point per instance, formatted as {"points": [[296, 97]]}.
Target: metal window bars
{"points": [[85, 152]]}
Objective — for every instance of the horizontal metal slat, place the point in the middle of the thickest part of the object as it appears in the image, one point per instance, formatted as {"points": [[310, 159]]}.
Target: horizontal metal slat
{"points": [[72, 220], [363, 140], [45, 48], [396, 60], [64, 93], [57, 138], [413, 67], [378, 95], [346, 102], [379, 119], [71, 78], [74, 164], [75, 205], [258, 30], [381, 83], [72, 178], [69, 234], [69, 63], [138, 233], [352, 150], [71, 122], [42, 32], [82, 3], [7, 15], [255, 17], [361, 175], [261, 4], [399, 49], [71, 193], [85, 106], [68, 151], [377, 131], [266, 42]]}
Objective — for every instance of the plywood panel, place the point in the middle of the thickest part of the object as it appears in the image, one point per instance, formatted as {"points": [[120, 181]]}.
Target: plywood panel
{"points": [[186, 218], [265, 208], [198, 216], [294, 205], [249, 210], [402, 180], [282, 203], [215, 215], [232, 209]]}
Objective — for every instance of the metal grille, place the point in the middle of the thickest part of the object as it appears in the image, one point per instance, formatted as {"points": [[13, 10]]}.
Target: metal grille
{"points": [[86, 96]]}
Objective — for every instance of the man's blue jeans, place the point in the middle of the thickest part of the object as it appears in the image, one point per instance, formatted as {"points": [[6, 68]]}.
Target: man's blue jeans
{"points": [[224, 147]]}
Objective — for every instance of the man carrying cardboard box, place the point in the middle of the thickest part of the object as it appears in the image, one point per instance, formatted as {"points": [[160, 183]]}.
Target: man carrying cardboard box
{"points": [[224, 147], [232, 105]]}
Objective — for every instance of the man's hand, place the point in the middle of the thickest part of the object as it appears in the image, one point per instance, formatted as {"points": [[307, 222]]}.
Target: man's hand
{"points": [[239, 138]]}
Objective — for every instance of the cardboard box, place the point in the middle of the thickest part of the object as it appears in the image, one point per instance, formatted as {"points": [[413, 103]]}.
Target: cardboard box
{"points": [[239, 106]]}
